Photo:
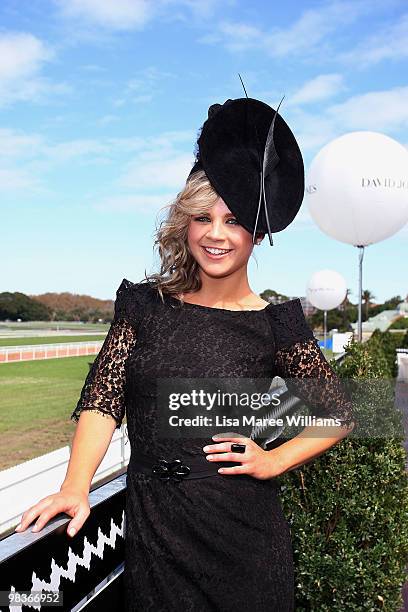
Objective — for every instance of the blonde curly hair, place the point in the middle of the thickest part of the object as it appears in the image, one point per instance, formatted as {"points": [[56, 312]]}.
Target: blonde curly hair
{"points": [[179, 270]]}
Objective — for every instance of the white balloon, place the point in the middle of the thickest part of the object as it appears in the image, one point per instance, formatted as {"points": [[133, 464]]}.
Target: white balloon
{"points": [[357, 188], [326, 289]]}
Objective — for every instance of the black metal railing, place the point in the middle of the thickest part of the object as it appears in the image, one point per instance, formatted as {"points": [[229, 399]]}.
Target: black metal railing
{"points": [[87, 569]]}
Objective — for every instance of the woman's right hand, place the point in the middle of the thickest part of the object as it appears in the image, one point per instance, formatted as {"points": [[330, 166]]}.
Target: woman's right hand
{"points": [[72, 501]]}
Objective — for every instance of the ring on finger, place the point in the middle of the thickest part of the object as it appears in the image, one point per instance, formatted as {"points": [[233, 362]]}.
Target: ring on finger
{"points": [[238, 448]]}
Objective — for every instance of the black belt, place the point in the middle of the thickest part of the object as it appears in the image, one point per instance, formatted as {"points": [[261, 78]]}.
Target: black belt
{"points": [[177, 469]]}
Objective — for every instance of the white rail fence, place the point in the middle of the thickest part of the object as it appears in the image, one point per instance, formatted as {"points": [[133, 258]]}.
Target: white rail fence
{"points": [[30, 352], [402, 361], [23, 485]]}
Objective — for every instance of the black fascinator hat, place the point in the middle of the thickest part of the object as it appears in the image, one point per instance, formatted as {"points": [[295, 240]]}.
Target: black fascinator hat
{"points": [[253, 162]]}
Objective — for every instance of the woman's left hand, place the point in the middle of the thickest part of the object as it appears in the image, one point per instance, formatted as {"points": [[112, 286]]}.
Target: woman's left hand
{"points": [[255, 461]]}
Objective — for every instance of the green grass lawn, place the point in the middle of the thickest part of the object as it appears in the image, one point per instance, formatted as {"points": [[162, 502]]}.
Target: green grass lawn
{"points": [[36, 401], [49, 340]]}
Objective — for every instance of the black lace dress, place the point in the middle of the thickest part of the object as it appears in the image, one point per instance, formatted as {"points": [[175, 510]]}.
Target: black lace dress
{"points": [[219, 543]]}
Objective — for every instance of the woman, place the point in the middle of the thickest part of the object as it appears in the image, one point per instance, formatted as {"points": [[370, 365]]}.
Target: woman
{"points": [[204, 526]]}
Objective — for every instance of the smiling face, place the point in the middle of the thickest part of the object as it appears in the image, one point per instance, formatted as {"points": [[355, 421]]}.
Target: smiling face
{"points": [[219, 229]]}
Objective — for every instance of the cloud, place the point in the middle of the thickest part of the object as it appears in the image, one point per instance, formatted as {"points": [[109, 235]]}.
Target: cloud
{"points": [[203, 9], [153, 176], [108, 119], [380, 111], [16, 180], [143, 86], [312, 32], [22, 58], [390, 43], [312, 27], [93, 68], [312, 131], [235, 36], [22, 146], [75, 149], [145, 204], [385, 110], [136, 167], [25, 163], [160, 164], [128, 15], [19, 144], [167, 171], [115, 15], [319, 88]]}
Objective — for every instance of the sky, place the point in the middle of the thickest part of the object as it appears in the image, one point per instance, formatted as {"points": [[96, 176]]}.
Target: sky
{"points": [[101, 102]]}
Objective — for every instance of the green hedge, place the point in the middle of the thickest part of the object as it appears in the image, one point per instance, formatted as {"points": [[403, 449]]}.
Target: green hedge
{"points": [[401, 323], [348, 508], [383, 345]]}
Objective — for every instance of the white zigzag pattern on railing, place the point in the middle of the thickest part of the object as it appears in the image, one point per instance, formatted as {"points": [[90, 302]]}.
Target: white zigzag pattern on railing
{"points": [[73, 562]]}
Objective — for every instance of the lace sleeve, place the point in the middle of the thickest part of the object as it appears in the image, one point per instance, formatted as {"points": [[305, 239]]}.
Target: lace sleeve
{"points": [[104, 388], [309, 376], [307, 373]]}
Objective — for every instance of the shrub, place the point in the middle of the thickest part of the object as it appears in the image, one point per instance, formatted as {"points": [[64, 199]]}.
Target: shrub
{"points": [[348, 509]]}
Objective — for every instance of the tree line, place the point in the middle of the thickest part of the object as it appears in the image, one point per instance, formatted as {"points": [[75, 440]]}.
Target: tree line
{"points": [[54, 307], [73, 307]]}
